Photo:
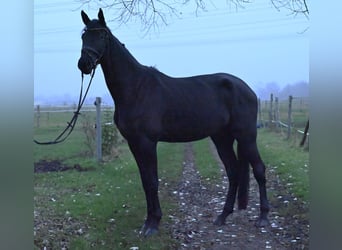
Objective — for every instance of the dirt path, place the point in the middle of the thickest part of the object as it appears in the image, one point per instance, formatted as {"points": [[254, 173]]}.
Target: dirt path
{"points": [[199, 205]]}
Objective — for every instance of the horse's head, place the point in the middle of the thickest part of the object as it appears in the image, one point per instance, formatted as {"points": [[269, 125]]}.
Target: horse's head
{"points": [[94, 42]]}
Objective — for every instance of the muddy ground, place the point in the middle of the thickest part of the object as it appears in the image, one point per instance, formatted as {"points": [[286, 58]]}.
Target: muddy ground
{"points": [[55, 166], [199, 204]]}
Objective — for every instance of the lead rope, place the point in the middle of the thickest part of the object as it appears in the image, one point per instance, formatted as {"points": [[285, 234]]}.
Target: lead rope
{"points": [[71, 125]]}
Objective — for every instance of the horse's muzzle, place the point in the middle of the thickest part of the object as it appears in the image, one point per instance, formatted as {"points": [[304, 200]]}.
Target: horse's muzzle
{"points": [[86, 64]]}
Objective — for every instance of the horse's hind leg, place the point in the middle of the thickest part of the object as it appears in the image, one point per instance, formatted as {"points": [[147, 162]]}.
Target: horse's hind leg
{"points": [[224, 146], [250, 152], [243, 176]]}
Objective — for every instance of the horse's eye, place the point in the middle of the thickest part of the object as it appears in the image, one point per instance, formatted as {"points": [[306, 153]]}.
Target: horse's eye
{"points": [[103, 35]]}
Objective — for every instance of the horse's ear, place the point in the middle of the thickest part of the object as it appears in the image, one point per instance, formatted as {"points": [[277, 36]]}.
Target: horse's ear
{"points": [[85, 18], [101, 17]]}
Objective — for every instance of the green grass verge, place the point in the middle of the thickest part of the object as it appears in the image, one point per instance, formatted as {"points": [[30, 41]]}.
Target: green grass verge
{"points": [[205, 162], [289, 161], [107, 202]]}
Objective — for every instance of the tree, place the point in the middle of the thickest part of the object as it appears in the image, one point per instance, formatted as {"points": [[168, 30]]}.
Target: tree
{"points": [[294, 6], [152, 13], [268, 89]]}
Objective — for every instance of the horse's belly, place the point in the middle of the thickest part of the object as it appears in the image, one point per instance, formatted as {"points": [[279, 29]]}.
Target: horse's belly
{"points": [[182, 137], [185, 131]]}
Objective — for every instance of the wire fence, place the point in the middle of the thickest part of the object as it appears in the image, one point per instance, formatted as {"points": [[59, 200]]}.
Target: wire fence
{"points": [[46, 115], [289, 117]]}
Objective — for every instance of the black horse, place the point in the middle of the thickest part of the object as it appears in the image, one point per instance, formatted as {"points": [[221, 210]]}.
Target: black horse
{"points": [[151, 106]]}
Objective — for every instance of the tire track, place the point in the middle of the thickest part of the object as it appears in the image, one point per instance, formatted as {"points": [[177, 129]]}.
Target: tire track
{"points": [[200, 204]]}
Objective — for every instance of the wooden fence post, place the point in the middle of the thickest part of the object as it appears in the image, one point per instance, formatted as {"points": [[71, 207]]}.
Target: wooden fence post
{"points": [[38, 116], [260, 122], [276, 113], [264, 112], [98, 129], [289, 118], [305, 134], [270, 113]]}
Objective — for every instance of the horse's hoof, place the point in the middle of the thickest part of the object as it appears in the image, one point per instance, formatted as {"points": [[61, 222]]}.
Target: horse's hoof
{"points": [[150, 232], [220, 221], [262, 222], [147, 231]]}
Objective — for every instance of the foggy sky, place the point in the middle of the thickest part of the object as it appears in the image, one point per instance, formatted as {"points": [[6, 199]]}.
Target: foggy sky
{"points": [[257, 43]]}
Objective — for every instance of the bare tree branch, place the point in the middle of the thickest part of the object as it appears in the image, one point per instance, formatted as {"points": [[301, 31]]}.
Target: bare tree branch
{"points": [[152, 13], [294, 6]]}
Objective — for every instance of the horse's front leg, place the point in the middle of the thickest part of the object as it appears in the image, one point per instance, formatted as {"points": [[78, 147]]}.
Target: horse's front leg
{"points": [[145, 154]]}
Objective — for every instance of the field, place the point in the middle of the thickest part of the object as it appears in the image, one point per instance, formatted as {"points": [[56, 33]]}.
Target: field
{"points": [[299, 113], [102, 205]]}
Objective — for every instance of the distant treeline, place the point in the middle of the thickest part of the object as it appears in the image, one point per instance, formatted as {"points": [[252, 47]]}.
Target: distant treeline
{"points": [[67, 100], [295, 89], [263, 92]]}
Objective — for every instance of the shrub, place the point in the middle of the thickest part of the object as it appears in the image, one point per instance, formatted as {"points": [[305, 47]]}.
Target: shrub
{"points": [[110, 135]]}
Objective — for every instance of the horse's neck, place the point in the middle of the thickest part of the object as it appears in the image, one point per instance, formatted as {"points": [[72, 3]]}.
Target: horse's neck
{"points": [[121, 71]]}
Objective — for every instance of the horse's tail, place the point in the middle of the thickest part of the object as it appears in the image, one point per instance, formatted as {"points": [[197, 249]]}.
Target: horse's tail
{"points": [[243, 187]]}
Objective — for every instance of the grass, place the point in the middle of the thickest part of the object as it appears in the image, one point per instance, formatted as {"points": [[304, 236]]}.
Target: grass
{"points": [[290, 162], [107, 203], [205, 162], [104, 207]]}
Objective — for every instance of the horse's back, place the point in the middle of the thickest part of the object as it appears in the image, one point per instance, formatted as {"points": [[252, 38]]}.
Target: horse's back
{"points": [[219, 90], [200, 106]]}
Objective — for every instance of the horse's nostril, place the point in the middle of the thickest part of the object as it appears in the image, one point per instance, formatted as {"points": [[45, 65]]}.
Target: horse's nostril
{"points": [[84, 66]]}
